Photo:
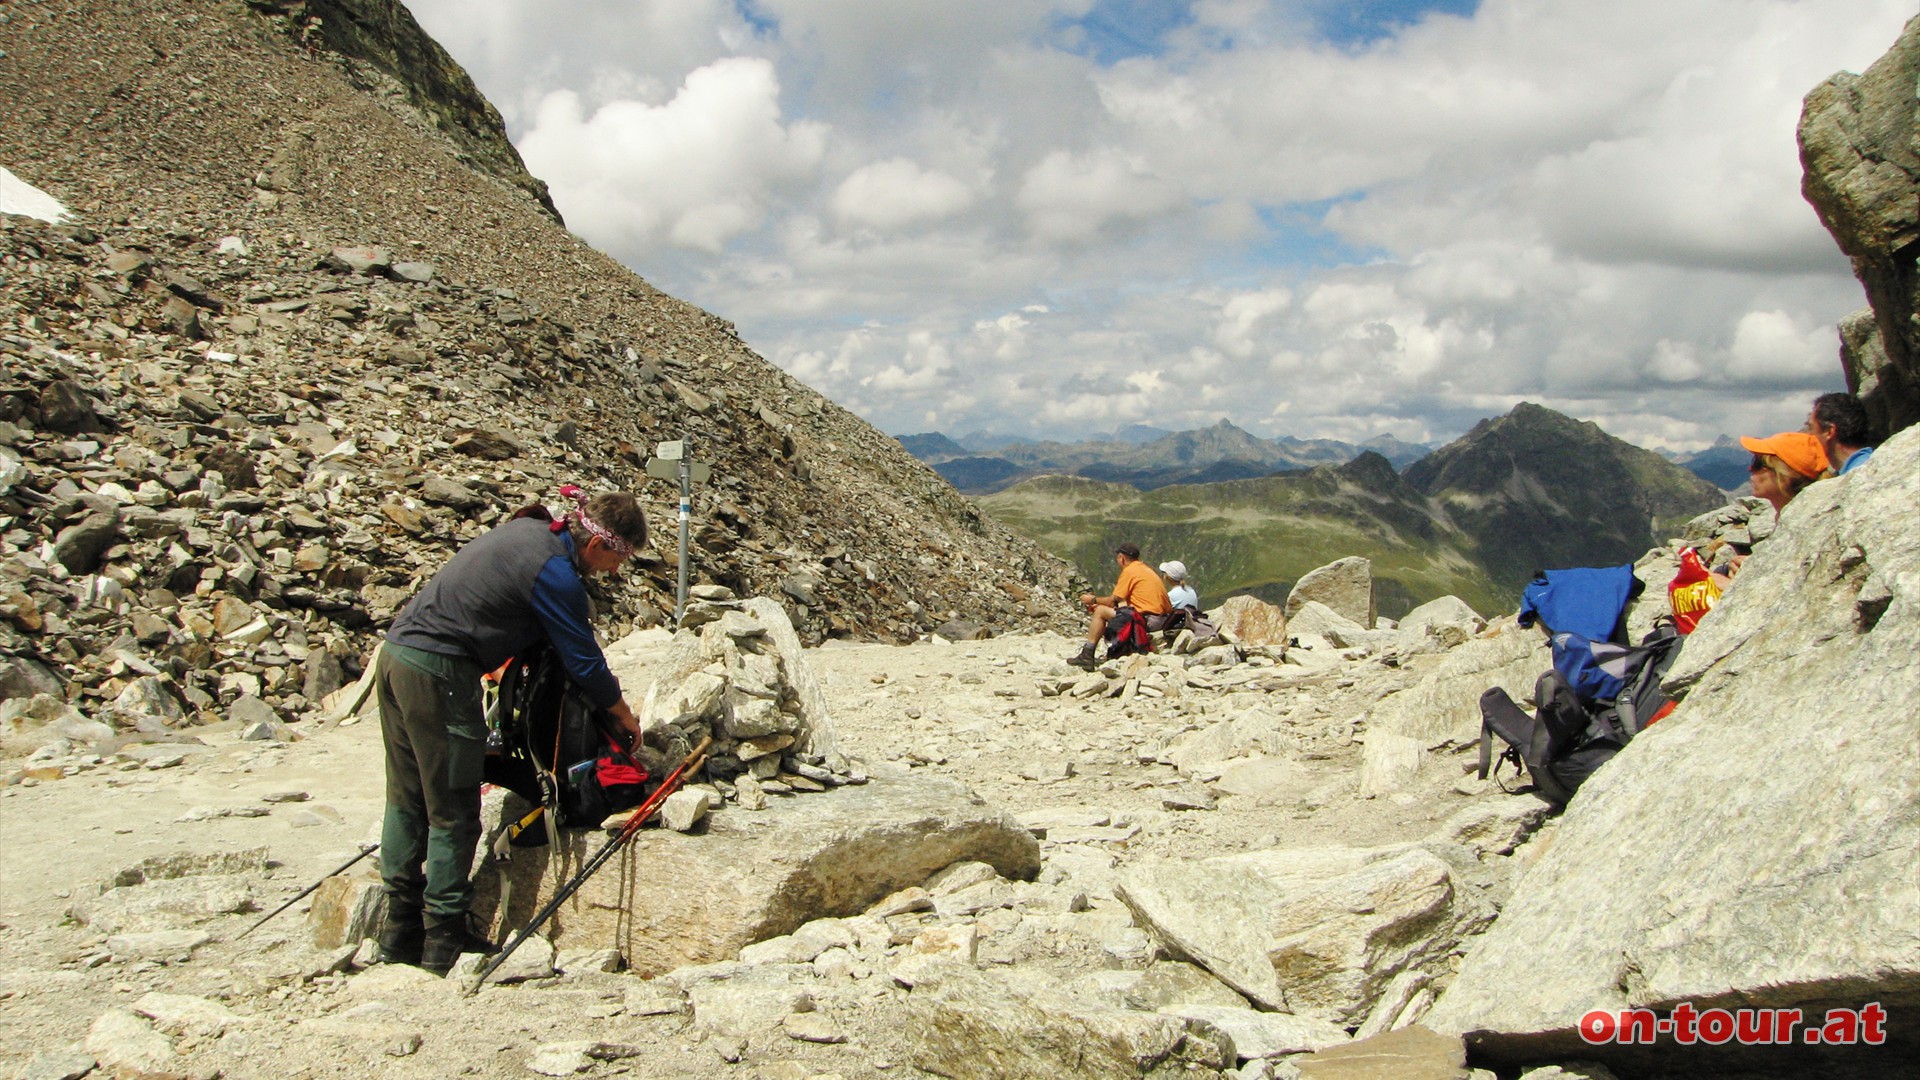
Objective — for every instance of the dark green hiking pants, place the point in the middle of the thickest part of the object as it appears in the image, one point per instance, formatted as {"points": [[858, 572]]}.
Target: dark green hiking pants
{"points": [[435, 732]]}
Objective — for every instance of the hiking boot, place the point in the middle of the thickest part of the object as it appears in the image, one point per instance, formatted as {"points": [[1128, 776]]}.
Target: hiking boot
{"points": [[445, 942], [1084, 658], [403, 936]]}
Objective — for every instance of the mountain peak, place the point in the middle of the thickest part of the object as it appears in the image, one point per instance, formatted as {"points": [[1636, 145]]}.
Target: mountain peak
{"points": [[1515, 480]]}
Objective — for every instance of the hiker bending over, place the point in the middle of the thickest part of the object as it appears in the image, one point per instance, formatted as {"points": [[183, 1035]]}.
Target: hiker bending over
{"points": [[1179, 593], [1839, 422], [1136, 589], [1782, 465], [503, 593]]}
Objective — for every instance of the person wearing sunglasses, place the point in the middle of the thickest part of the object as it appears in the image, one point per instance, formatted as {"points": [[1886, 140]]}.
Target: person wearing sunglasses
{"points": [[1783, 465]]}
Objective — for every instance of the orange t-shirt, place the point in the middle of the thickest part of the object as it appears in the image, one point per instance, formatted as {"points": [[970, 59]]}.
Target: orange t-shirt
{"points": [[1139, 588]]}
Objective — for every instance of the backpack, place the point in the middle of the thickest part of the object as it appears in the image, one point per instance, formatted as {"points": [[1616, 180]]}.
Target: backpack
{"points": [[1190, 618], [1594, 700], [548, 744], [1127, 634]]}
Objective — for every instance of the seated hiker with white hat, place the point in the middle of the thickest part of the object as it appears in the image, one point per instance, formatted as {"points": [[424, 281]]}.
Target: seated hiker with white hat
{"points": [[1179, 593]]}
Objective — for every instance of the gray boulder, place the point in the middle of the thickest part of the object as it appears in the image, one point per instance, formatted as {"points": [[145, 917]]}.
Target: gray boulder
{"points": [[1447, 611], [701, 897], [25, 677], [1315, 931], [1789, 777], [1444, 706], [80, 545], [1313, 619], [1249, 620], [1345, 585]]}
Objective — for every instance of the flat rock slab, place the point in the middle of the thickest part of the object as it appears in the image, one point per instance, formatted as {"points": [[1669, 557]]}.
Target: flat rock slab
{"points": [[970, 1024], [673, 899], [1411, 1053], [1317, 932], [1444, 706]]}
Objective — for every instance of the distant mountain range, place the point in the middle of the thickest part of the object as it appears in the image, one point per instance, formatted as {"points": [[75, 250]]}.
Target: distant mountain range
{"points": [[1139, 456], [1724, 464], [1530, 490]]}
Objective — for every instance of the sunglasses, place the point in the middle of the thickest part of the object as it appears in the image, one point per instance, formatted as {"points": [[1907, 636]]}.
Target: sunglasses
{"points": [[1758, 464]]}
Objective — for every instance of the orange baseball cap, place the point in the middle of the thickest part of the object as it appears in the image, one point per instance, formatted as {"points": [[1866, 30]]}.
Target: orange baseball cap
{"points": [[1801, 451]]}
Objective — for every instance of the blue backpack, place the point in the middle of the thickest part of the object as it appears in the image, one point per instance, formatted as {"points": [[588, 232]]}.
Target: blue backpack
{"points": [[1598, 695]]}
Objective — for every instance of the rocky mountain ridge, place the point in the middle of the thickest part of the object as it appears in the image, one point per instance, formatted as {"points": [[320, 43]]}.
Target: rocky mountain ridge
{"points": [[1141, 457]]}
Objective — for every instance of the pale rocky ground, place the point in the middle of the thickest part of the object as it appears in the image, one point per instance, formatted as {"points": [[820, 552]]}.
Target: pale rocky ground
{"points": [[971, 711]]}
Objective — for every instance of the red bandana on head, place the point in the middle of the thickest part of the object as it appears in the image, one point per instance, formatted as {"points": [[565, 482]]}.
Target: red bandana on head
{"points": [[577, 519]]}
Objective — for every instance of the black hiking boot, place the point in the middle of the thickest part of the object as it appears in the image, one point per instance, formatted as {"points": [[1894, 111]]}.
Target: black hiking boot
{"points": [[1084, 658], [445, 943], [403, 936]]}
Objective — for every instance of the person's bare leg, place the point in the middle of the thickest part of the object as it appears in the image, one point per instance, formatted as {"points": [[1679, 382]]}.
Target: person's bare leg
{"points": [[1099, 626]]}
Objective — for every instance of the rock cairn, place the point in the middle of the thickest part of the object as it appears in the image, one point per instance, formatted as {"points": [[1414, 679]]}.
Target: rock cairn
{"points": [[735, 672]]}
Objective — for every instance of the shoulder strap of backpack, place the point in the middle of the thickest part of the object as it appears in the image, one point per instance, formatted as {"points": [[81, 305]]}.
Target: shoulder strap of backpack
{"points": [[1642, 696]]}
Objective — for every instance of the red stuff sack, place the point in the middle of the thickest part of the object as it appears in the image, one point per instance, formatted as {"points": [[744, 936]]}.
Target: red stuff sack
{"points": [[1693, 591]]}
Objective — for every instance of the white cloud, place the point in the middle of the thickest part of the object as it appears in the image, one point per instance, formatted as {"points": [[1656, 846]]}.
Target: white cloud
{"points": [[696, 171], [1589, 204], [895, 192], [1242, 313], [1071, 197], [1772, 346]]}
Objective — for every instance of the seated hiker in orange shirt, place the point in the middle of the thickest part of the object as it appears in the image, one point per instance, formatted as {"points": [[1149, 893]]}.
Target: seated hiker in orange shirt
{"points": [[1138, 588]]}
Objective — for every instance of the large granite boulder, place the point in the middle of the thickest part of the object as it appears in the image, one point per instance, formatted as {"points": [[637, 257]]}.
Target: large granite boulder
{"points": [[1440, 613], [1857, 143], [1249, 620], [1444, 706], [1756, 848], [1345, 585], [1317, 932], [673, 899]]}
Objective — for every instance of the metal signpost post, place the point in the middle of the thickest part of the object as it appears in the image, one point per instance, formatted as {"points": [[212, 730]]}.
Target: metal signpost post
{"points": [[669, 463]]}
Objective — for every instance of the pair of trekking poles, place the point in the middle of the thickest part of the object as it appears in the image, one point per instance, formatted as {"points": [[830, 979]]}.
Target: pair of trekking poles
{"points": [[672, 783]]}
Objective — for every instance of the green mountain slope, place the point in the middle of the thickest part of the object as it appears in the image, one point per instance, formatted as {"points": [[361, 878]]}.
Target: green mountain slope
{"points": [[1530, 490], [1258, 536]]}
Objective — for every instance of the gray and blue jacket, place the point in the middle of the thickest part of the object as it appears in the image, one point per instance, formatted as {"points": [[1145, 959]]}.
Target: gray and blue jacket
{"points": [[501, 594]]}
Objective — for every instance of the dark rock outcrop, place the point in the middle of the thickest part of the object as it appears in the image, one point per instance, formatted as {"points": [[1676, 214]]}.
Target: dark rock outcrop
{"points": [[1860, 145], [1538, 490], [384, 47]]}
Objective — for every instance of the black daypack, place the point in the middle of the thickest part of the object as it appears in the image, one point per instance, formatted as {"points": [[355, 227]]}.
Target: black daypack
{"points": [[548, 744], [1569, 736], [1128, 634]]}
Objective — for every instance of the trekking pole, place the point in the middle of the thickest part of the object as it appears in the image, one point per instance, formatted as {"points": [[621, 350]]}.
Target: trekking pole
{"points": [[364, 852], [668, 786]]}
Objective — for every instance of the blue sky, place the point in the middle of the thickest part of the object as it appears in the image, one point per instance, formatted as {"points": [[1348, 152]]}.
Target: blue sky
{"points": [[1312, 217]]}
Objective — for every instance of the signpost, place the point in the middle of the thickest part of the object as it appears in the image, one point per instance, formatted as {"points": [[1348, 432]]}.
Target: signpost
{"points": [[670, 462]]}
